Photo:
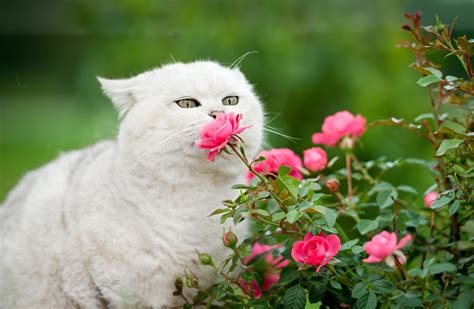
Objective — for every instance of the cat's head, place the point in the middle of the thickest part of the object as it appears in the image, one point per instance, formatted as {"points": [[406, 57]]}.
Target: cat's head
{"points": [[163, 110]]}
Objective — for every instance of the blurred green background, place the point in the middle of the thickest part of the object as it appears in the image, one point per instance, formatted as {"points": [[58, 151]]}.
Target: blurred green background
{"points": [[314, 58]]}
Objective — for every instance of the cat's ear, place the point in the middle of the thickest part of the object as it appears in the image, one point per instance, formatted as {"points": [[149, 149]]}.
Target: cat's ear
{"points": [[121, 92]]}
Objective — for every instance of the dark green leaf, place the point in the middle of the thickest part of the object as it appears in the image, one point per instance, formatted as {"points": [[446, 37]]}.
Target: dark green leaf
{"points": [[295, 298], [368, 301], [441, 268], [382, 286], [454, 207], [359, 290]]}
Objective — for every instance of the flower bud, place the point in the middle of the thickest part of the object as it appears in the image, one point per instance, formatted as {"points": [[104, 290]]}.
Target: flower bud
{"points": [[205, 259], [191, 281], [230, 240], [332, 185], [406, 27]]}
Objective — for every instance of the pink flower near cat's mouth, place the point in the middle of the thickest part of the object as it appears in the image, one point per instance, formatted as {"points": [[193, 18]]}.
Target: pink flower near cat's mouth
{"points": [[216, 134]]}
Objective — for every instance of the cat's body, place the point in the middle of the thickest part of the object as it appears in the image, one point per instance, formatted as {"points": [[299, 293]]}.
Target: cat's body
{"points": [[115, 224]]}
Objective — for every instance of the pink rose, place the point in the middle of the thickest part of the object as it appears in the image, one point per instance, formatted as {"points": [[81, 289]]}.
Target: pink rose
{"points": [[271, 275], [384, 247], [275, 158], [316, 250], [315, 159], [336, 126], [216, 134], [430, 197]]}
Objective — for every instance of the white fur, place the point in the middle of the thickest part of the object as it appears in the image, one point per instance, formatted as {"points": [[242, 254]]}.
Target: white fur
{"points": [[116, 223]]}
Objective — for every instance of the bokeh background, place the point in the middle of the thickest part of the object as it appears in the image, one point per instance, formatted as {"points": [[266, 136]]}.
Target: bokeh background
{"points": [[314, 58]]}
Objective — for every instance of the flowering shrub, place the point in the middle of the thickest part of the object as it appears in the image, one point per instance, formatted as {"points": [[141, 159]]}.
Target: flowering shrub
{"points": [[328, 235]]}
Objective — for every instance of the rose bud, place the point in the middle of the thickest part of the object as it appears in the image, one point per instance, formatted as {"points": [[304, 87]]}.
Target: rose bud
{"points": [[205, 259], [406, 27], [332, 185], [230, 240]]}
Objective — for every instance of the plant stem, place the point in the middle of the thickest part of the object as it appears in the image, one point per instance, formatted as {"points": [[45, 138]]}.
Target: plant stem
{"points": [[262, 178], [349, 177], [400, 268]]}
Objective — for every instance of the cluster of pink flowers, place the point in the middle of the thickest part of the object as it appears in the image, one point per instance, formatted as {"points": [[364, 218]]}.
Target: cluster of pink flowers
{"points": [[216, 134], [316, 250], [272, 273], [338, 126]]}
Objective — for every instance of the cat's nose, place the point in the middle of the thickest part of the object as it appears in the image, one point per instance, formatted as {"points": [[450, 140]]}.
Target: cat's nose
{"points": [[214, 114]]}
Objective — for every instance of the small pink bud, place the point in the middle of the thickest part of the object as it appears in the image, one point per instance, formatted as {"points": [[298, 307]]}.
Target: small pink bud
{"points": [[230, 240], [332, 185]]}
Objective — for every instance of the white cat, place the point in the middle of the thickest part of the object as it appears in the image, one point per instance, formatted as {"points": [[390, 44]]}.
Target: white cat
{"points": [[114, 225]]}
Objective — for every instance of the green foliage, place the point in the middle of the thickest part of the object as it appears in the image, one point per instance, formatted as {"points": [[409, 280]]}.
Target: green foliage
{"points": [[435, 270]]}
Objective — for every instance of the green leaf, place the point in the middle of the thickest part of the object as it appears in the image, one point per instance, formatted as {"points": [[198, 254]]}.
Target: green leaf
{"points": [[288, 274], [441, 268], [364, 226], [293, 216], [385, 198], [335, 284], [454, 207], [440, 202], [357, 249], [284, 170], [428, 80], [448, 144], [408, 189], [295, 298], [359, 290], [329, 215], [383, 286], [289, 183], [435, 72], [262, 212], [368, 301], [278, 216], [240, 186], [349, 244], [219, 211]]}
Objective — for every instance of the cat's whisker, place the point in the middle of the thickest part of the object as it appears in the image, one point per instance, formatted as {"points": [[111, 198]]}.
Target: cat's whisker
{"points": [[286, 136], [239, 60]]}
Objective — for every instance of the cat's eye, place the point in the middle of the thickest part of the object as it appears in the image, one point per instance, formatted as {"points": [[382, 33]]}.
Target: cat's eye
{"points": [[188, 103], [232, 100]]}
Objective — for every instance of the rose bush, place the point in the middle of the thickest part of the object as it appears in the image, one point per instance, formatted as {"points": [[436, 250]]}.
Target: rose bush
{"points": [[344, 220]]}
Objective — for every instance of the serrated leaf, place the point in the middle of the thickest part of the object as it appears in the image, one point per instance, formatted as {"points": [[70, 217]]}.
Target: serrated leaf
{"points": [[428, 80], [218, 211], [335, 284], [364, 226], [447, 145], [240, 186], [295, 298]]}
